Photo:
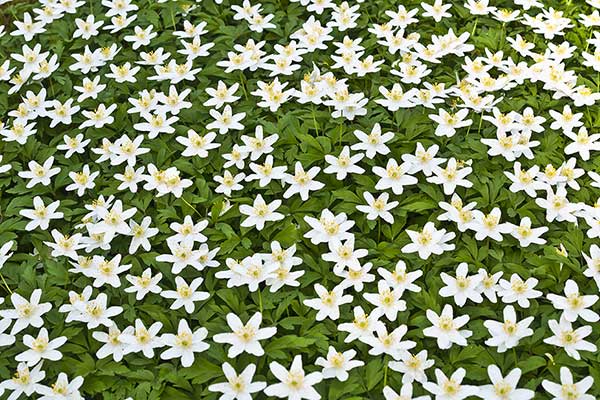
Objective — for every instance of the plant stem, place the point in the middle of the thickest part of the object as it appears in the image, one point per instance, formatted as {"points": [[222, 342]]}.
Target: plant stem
{"points": [[315, 119], [5, 284], [385, 369], [260, 305]]}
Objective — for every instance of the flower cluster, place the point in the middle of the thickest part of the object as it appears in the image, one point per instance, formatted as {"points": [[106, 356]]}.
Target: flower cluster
{"points": [[299, 199]]}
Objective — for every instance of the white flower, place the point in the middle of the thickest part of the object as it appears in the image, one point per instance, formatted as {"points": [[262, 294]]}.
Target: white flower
{"points": [[258, 145], [362, 326], [394, 176], [41, 174], [266, 172], [568, 389], [302, 182], [378, 208], [374, 142], [525, 180], [65, 245], [517, 290], [412, 367], [357, 278], [489, 284], [575, 305], [526, 235], [502, 388], [196, 145], [238, 387], [108, 271], [184, 344], [62, 389], [142, 339], [41, 348], [558, 206], [423, 160], [140, 233], [451, 388], [400, 279], [448, 123], [26, 312], [452, 176], [572, 340], [82, 180], [429, 241], [582, 143], [294, 384], [144, 284], [507, 333], [437, 11], [182, 255], [260, 212], [388, 343], [406, 393], [95, 312], [41, 215], [245, 338], [387, 300], [226, 121], [185, 295], [489, 226], [328, 303], [99, 117], [328, 227], [344, 164], [221, 95], [229, 183], [141, 37], [593, 264], [445, 328], [337, 364], [462, 287], [73, 145], [25, 381], [113, 345], [343, 254], [5, 252]]}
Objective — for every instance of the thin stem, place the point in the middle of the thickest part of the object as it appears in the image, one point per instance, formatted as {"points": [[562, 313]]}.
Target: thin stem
{"points": [[5, 284], [385, 370], [480, 122], [172, 18], [243, 82], [315, 119], [191, 206], [260, 305], [474, 26]]}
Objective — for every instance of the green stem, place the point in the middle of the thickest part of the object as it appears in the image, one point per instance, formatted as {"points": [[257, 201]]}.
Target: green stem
{"points": [[191, 206], [260, 305], [385, 370], [315, 119], [5, 284], [172, 18], [474, 26], [243, 82]]}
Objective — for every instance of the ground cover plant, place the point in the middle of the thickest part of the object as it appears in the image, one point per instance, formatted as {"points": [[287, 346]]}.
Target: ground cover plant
{"points": [[299, 199]]}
